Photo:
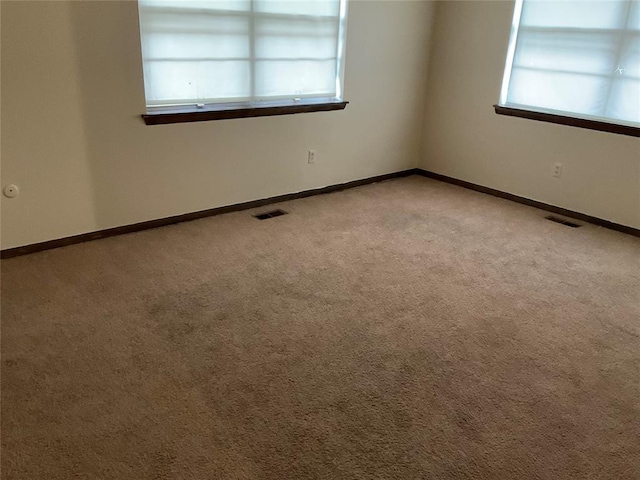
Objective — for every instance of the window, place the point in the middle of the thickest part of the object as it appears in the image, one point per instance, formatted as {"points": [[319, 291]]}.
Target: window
{"points": [[234, 54], [577, 59]]}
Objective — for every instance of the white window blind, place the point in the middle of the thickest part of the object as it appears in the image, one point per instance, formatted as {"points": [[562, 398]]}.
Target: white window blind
{"points": [[245, 51], [578, 58]]}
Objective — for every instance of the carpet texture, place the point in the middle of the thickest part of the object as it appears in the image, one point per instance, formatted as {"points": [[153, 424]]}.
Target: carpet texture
{"points": [[408, 329]]}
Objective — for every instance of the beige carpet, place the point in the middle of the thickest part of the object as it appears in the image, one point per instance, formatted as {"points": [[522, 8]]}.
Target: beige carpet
{"points": [[402, 330]]}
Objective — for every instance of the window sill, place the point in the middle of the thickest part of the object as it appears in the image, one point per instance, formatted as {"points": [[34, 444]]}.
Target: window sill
{"points": [[571, 121], [191, 114]]}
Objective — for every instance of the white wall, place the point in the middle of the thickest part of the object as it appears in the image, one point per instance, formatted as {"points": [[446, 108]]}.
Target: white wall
{"points": [[74, 142], [465, 139]]}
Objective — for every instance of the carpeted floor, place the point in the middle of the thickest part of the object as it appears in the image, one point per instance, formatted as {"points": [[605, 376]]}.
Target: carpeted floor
{"points": [[403, 330]]}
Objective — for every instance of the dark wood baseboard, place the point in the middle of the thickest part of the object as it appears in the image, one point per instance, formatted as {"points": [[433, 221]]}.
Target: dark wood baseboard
{"points": [[532, 203], [136, 227]]}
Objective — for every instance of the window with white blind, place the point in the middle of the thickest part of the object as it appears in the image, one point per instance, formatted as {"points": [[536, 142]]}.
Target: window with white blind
{"points": [[577, 58], [201, 53]]}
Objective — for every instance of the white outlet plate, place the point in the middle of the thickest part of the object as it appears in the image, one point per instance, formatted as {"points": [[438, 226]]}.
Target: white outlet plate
{"points": [[557, 170]]}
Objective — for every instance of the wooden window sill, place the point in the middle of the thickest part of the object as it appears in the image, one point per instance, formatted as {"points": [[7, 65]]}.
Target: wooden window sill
{"points": [[190, 114], [571, 121]]}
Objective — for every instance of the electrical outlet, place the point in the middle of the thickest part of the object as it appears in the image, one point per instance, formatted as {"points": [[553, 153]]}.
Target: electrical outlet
{"points": [[557, 170], [311, 158]]}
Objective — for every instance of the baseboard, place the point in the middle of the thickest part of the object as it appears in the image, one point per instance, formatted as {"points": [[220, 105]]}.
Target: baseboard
{"points": [[532, 203], [161, 222]]}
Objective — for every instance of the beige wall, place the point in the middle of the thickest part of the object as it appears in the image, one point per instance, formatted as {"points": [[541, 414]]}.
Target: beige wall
{"points": [[74, 142], [43, 143], [465, 139]]}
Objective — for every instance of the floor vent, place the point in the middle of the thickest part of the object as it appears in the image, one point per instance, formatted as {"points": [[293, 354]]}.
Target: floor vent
{"points": [[562, 221], [271, 214]]}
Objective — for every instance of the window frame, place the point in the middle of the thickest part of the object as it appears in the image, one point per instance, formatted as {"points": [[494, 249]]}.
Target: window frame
{"points": [[560, 117], [196, 112], [161, 116]]}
